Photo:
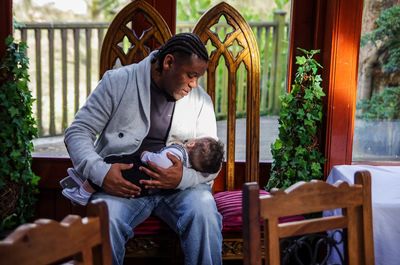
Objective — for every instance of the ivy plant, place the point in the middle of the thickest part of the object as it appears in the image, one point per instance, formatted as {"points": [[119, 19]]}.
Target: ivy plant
{"points": [[18, 184], [296, 154]]}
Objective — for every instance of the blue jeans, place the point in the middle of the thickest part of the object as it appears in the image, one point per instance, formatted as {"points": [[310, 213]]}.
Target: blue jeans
{"points": [[191, 213]]}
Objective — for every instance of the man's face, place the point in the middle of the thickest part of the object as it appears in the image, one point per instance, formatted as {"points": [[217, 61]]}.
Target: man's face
{"points": [[181, 73]]}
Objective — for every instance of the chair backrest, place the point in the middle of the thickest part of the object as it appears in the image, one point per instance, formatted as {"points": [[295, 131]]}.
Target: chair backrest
{"points": [[83, 240], [136, 30], [305, 198], [238, 47]]}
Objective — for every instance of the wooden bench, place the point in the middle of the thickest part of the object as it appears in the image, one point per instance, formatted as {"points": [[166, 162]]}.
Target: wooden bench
{"points": [[142, 28], [238, 47]]}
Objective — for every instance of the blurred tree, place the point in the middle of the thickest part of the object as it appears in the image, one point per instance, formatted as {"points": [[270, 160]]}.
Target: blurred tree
{"points": [[280, 4], [191, 10], [387, 38], [251, 10], [104, 10], [378, 66]]}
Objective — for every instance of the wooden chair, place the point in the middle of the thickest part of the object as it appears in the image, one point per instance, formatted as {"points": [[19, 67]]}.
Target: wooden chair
{"points": [[83, 240], [305, 198], [141, 27]]}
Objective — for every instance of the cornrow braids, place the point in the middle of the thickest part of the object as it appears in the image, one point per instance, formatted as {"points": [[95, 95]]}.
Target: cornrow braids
{"points": [[182, 43]]}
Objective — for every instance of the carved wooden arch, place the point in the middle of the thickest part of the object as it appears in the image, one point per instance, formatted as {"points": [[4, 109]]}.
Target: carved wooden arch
{"points": [[250, 57], [142, 25]]}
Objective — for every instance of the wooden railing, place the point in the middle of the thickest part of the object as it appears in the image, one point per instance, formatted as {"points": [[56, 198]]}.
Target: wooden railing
{"points": [[64, 59], [52, 85]]}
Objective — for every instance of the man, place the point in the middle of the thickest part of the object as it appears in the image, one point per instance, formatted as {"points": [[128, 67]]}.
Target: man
{"points": [[145, 106]]}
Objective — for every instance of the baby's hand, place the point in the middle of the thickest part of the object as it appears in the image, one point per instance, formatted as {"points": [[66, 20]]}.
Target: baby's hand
{"points": [[142, 154]]}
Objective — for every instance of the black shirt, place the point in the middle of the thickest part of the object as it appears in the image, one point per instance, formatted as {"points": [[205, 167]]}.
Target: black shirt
{"points": [[161, 111]]}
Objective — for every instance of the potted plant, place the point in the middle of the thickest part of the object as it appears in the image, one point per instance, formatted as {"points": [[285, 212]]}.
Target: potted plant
{"points": [[18, 184], [296, 154]]}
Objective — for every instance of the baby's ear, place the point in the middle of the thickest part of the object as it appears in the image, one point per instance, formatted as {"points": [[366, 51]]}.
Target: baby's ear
{"points": [[190, 144]]}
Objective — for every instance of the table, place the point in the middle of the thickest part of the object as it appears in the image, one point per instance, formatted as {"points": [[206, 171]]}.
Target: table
{"points": [[385, 188]]}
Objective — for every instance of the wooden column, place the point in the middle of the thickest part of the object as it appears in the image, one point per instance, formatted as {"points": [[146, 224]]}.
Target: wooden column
{"points": [[167, 9], [6, 22], [340, 60]]}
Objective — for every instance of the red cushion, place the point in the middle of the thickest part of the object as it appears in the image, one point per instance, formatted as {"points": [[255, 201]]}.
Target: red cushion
{"points": [[153, 225], [229, 204]]}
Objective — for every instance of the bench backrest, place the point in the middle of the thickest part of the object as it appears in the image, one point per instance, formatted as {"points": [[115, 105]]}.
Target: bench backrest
{"points": [[238, 47], [134, 32], [83, 240], [309, 198]]}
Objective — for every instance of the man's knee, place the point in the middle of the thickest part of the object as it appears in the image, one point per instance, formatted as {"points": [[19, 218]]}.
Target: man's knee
{"points": [[119, 217], [204, 211]]}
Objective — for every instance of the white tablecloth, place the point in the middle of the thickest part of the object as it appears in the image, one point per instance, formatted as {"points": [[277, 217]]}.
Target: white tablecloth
{"points": [[385, 207]]}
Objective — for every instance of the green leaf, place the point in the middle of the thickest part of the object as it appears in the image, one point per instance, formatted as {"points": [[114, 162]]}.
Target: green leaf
{"points": [[277, 144], [301, 60], [13, 111]]}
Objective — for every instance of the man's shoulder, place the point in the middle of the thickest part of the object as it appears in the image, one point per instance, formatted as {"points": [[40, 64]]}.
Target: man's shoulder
{"points": [[129, 71], [120, 71]]}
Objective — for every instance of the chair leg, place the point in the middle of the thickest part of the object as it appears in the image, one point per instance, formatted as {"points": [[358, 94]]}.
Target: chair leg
{"points": [[251, 224]]}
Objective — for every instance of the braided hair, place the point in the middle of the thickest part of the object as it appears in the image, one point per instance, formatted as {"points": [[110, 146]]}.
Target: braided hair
{"points": [[182, 44]]}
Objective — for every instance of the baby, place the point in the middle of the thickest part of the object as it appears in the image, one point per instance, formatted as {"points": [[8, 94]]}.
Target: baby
{"points": [[202, 154]]}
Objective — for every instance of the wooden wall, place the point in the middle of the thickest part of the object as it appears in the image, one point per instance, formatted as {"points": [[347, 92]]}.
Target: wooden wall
{"points": [[6, 23]]}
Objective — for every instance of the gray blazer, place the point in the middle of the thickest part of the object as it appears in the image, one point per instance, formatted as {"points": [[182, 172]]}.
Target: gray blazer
{"points": [[116, 118]]}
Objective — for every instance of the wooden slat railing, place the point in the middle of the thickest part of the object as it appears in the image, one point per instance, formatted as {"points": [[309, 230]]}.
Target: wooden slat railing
{"points": [[64, 68]]}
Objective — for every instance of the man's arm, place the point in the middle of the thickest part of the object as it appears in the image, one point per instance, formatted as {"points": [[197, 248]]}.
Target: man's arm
{"points": [[90, 120]]}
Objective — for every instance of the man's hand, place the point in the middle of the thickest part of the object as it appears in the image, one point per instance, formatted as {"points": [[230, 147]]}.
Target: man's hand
{"points": [[163, 178], [115, 184]]}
